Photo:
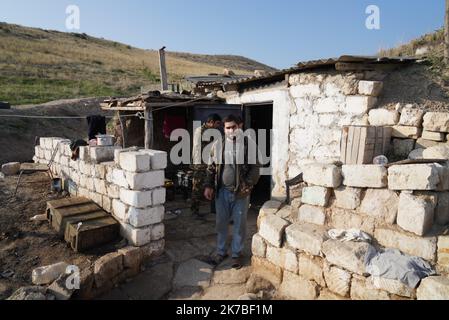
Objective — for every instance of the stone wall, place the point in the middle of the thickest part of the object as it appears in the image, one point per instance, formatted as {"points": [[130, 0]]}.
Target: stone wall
{"points": [[317, 105], [400, 207], [126, 183]]}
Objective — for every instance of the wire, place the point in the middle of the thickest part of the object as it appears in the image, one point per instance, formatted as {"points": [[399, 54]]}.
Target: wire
{"points": [[139, 115]]}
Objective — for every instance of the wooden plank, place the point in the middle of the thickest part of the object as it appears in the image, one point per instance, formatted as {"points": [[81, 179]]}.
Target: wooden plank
{"points": [[348, 66], [163, 69], [361, 158], [355, 145], [67, 202], [344, 144], [349, 145], [378, 150], [36, 167]]}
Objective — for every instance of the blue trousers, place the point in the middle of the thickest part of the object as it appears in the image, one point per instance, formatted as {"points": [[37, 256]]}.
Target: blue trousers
{"points": [[227, 207]]}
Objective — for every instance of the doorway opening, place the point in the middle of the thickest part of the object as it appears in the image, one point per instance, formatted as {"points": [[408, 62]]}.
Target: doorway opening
{"points": [[260, 117]]}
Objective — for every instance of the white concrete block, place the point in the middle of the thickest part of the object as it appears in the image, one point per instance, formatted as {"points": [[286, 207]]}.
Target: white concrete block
{"points": [[348, 255], [316, 196], [158, 159], [436, 121], [138, 199], [136, 236], [381, 204], [144, 217], [325, 175], [364, 176], [113, 191], [99, 171], [338, 280], [135, 161], [370, 88], [119, 178], [146, 180], [306, 237], [107, 204], [405, 132], [433, 136], [411, 116], [416, 213], [84, 154], [413, 245], [312, 214], [118, 151], [120, 210], [359, 105], [102, 154], [347, 197], [157, 232], [434, 288], [272, 229], [85, 168], [383, 117], [258, 247], [159, 196], [100, 186], [413, 177], [437, 152]]}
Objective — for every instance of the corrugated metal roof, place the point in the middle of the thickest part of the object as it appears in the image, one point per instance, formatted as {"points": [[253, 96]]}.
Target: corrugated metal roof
{"points": [[323, 63]]}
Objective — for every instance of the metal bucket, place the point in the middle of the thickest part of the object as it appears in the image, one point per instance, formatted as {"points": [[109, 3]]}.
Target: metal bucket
{"points": [[105, 140]]}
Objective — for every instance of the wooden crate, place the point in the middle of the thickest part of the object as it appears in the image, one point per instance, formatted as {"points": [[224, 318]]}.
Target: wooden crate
{"points": [[361, 144], [91, 233]]}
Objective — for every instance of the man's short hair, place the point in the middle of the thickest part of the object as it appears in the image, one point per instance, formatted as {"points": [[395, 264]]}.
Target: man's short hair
{"points": [[231, 118], [213, 118]]}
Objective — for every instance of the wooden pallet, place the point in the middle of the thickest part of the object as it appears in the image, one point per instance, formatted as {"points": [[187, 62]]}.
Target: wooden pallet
{"points": [[361, 144]]}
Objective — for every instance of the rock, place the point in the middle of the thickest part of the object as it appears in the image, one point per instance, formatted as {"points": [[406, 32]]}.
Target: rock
{"points": [[312, 214], [436, 121], [344, 219], [248, 297], [259, 247], [403, 132], [411, 116], [361, 291], [413, 245], [223, 292], [132, 257], [442, 209], [338, 280], [60, 289], [325, 175], [416, 154], [392, 286], [283, 257], [437, 152], [383, 117], [267, 271], [413, 177], [403, 147], [316, 196], [359, 105], [371, 88], [48, 274], [327, 295], [285, 213], [347, 197], [226, 275], [193, 273], [29, 293], [255, 284], [348, 255], [272, 229], [382, 204], [416, 213], [443, 252], [269, 208], [11, 169], [433, 136], [434, 288], [365, 176], [107, 267], [423, 143], [297, 288], [306, 237], [311, 268]]}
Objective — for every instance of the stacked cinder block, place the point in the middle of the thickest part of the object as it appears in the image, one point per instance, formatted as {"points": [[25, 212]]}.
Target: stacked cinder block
{"points": [[128, 183], [401, 207]]}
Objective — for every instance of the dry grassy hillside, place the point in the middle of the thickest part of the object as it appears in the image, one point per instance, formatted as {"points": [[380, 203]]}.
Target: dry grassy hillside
{"points": [[41, 65]]}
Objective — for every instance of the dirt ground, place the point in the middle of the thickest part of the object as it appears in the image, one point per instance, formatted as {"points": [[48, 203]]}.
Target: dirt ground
{"points": [[25, 245]]}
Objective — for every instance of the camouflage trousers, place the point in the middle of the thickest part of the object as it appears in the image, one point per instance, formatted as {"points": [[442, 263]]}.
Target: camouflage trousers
{"points": [[199, 177]]}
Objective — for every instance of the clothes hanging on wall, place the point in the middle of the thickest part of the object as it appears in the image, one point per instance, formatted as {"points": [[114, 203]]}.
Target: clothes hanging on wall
{"points": [[96, 125]]}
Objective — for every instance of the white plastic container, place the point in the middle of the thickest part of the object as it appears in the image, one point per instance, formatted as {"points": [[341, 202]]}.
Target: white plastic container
{"points": [[105, 140]]}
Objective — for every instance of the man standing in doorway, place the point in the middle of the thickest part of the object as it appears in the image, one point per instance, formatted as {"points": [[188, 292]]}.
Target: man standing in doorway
{"points": [[198, 165], [232, 173]]}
